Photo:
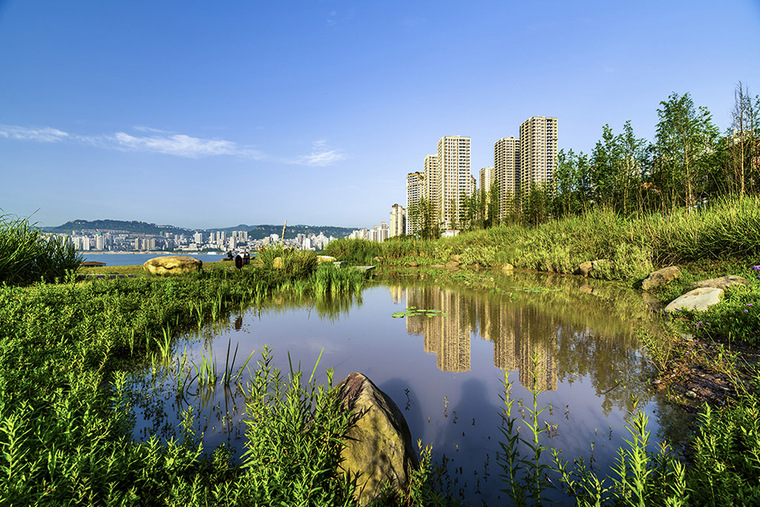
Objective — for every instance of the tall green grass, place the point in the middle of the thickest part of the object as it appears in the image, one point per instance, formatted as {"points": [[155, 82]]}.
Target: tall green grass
{"points": [[26, 256], [299, 264]]}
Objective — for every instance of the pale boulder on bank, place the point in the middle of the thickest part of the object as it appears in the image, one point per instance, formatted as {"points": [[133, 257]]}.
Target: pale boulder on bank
{"points": [[172, 265], [698, 299]]}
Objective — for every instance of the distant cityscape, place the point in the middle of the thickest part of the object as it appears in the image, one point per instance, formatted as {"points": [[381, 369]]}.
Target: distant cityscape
{"points": [[519, 164], [85, 240]]}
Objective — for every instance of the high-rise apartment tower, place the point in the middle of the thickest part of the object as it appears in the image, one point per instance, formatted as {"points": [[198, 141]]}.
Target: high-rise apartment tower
{"points": [[538, 151], [415, 190], [506, 155], [398, 220], [455, 177]]}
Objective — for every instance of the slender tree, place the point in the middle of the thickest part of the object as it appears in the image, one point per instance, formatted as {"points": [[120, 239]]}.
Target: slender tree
{"points": [[743, 141], [492, 205], [424, 218], [685, 135]]}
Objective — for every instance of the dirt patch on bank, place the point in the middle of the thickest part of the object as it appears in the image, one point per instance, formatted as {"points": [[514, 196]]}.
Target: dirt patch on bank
{"points": [[709, 373]]}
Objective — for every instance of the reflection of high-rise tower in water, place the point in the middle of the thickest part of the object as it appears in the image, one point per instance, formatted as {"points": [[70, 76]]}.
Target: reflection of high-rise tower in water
{"points": [[397, 294], [448, 337], [516, 332], [539, 336]]}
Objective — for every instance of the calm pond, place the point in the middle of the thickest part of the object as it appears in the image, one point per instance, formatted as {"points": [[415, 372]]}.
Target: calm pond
{"points": [[445, 369]]}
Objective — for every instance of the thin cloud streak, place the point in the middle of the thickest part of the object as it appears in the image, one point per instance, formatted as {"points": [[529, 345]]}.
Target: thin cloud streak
{"points": [[321, 156], [168, 143], [44, 134], [180, 145]]}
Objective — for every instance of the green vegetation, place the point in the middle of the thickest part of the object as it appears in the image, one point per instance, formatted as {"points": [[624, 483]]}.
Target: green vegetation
{"points": [[629, 247], [68, 351], [26, 256]]}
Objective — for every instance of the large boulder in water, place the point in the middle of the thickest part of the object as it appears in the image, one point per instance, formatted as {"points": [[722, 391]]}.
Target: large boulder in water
{"points": [[379, 447], [172, 264]]}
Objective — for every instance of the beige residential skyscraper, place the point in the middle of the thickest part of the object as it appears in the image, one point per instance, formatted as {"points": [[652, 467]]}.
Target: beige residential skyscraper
{"points": [[415, 190], [506, 156], [398, 220], [486, 178], [432, 186], [538, 151], [455, 177]]}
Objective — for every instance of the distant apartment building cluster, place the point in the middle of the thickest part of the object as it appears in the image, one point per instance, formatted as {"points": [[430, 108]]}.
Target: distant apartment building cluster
{"points": [[222, 241], [519, 163], [446, 178]]}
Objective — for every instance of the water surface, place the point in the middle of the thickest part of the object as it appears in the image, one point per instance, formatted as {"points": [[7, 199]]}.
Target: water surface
{"points": [[446, 371]]}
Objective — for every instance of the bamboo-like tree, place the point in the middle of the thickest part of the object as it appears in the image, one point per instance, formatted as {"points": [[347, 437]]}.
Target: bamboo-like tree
{"points": [[743, 144], [493, 205], [424, 218], [573, 180]]}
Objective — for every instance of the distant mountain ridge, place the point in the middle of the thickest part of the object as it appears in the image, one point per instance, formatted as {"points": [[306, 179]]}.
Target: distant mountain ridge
{"points": [[138, 227]]}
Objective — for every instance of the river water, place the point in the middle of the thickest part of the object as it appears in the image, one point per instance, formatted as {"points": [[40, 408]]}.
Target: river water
{"points": [[445, 370]]}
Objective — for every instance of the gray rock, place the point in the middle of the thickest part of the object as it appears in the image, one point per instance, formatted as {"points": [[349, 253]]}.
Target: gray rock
{"points": [[697, 299], [722, 282], [661, 277], [172, 265], [379, 445]]}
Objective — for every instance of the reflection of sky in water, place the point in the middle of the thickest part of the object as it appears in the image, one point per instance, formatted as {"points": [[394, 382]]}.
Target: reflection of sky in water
{"points": [[589, 375]]}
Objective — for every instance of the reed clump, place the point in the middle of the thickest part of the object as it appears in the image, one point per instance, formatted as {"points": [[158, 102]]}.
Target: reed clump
{"points": [[27, 256]]}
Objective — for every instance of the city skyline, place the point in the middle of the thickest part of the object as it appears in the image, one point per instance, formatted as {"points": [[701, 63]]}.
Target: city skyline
{"points": [[203, 115]]}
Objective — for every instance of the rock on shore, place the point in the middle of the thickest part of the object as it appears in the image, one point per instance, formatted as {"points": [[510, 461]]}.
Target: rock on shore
{"points": [[379, 447], [172, 264]]}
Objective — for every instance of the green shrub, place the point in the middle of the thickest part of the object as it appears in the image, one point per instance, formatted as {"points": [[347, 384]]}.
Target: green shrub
{"points": [[26, 256], [299, 264], [354, 251]]}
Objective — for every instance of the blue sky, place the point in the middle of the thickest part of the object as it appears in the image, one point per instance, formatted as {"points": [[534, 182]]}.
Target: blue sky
{"points": [[210, 114]]}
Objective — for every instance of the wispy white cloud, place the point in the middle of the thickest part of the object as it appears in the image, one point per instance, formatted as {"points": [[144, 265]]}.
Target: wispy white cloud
{"points": [[43, 134], [321, 156], [175, 144], [151, 140]]}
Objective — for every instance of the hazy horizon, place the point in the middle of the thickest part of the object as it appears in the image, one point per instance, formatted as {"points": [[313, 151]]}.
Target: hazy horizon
{"points": [[201, 115]]}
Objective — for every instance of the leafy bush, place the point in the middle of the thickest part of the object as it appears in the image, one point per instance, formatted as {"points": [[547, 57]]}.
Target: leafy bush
{"points": [[26, 256], [354, 251], [299, 264], [295, 433]]}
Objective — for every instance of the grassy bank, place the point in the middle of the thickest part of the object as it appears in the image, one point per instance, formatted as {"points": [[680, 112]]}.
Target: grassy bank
{"points": [[729, 230]]}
